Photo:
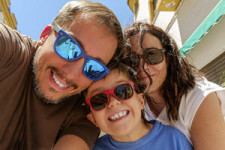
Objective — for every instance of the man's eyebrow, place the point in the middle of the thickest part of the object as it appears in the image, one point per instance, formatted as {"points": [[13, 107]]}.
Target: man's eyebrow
{"points": [[80, 43], [99, 59]]}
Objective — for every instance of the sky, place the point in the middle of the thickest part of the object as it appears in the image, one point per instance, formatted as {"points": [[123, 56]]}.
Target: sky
{"points": [[33, 15]]}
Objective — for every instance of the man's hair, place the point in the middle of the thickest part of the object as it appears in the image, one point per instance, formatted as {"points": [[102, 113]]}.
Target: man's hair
{"points": [[181, 75], [92, 10]]}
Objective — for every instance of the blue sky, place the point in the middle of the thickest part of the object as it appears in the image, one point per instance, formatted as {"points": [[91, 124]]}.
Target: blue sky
{"points": [[33, 15]]}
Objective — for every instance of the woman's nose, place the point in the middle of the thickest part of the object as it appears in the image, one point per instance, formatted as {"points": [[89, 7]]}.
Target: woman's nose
{"points": [[142, 65]]}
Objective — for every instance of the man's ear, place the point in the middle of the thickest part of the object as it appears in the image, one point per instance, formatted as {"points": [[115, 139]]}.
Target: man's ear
{"points": [[44, 35], [92, 119], [141, 100]]}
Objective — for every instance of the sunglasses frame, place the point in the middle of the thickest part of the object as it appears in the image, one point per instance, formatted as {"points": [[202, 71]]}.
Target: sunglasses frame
{"points": [[146, 51], [62, 33], [111, 91]]}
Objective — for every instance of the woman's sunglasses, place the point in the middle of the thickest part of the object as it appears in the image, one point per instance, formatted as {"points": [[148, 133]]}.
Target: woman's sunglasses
{"points": [[69, 49], [153, 56], [121, 92]]}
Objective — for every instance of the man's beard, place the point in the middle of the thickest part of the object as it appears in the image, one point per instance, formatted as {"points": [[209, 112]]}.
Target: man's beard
{"points": [[41, 95], [36, 86]]}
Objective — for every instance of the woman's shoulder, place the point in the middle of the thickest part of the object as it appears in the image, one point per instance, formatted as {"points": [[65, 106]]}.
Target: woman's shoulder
{"points": [[202, 88], [191, 102], [205, 85]]}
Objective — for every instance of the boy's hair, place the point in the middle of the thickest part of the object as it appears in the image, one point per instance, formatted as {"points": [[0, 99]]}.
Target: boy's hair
{"points": [[92, 11]]}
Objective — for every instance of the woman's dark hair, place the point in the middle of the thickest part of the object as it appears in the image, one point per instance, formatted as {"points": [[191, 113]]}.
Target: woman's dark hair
{"points": [[180, 74]]}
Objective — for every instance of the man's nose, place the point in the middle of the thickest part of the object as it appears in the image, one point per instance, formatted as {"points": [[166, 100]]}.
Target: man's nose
{"points": [[73, 69], [113, 101]]}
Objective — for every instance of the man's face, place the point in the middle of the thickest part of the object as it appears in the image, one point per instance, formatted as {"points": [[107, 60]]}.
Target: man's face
{"points": [[57, 78]]}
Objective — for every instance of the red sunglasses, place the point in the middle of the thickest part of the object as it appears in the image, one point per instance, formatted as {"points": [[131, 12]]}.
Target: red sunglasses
{"points": [[121, 92]]}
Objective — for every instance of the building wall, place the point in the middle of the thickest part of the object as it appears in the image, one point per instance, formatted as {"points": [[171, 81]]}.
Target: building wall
{"points": [[209, 47], [143, 13], [183, 22], [5, 15], [1, 16], [215, 71], [191, 14]]}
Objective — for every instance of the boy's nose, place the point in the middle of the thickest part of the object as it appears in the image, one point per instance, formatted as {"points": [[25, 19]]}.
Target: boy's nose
{"points": [[113, 101]]}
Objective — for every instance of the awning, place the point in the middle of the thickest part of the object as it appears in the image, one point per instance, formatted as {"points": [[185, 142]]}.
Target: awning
{"points": [[204, 27]]}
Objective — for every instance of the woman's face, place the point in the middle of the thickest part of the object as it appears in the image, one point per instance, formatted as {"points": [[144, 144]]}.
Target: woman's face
{"points": [[158, 72]]}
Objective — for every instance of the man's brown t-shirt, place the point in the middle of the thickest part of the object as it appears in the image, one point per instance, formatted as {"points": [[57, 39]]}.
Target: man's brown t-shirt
{"points": [[25, 121]]}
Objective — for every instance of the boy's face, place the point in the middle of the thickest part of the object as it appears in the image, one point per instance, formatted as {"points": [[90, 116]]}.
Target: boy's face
{"points": [[119, 118]]}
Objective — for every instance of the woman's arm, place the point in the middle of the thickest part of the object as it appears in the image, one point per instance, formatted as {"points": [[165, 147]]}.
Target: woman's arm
{"points": [[208, 126]]}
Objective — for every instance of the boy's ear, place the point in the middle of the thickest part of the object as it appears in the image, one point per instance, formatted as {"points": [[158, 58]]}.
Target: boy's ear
{"points": [[92, 119], [44, 35], [141, 100]]}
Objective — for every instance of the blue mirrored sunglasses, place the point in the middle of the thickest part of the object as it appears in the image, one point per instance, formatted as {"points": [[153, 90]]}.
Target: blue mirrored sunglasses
{"points": [[69, 49]]}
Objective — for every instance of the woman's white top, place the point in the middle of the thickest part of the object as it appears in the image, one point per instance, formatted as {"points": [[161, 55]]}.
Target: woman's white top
{"points": [[189, 106]]}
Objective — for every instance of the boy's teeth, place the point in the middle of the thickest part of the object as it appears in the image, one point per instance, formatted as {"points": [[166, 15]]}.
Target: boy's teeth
{"points": [[118, 115], [57, 82]]}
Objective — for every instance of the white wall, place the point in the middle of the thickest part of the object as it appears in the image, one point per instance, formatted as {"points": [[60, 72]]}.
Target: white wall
{"points": [[143, 11], [186, 20], [192, 13], [209, 47], [1, 16]]}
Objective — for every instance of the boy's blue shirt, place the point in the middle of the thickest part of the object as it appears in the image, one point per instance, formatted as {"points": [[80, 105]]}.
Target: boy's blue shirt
{"points": [[161, 137]]}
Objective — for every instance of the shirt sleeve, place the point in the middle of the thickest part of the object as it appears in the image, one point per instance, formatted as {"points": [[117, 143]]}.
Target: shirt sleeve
{"points": [[192, 101], [81, 127], [15, 48]]}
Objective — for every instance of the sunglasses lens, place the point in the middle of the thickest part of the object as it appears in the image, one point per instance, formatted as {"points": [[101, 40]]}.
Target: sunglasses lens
{"points": [[67, 49], [93, 70], [99, 101], [154, 57], [123, 91]]}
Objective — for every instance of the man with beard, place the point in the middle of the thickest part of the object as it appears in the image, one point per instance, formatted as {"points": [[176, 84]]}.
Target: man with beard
{"points": [[40, 82]]}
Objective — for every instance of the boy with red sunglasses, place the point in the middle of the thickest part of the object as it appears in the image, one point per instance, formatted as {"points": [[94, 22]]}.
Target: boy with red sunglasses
{"points": [[116, 107]]}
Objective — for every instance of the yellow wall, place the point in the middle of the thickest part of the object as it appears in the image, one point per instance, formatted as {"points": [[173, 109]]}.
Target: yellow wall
{"points": [[133, 4], [8, 17]]}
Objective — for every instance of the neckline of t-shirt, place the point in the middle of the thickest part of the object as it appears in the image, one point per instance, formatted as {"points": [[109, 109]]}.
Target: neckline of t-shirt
{"points": [[134, 145]]}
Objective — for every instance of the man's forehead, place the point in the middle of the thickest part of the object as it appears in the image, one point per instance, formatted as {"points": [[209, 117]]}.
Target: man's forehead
{"points": [[69, 30]]}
